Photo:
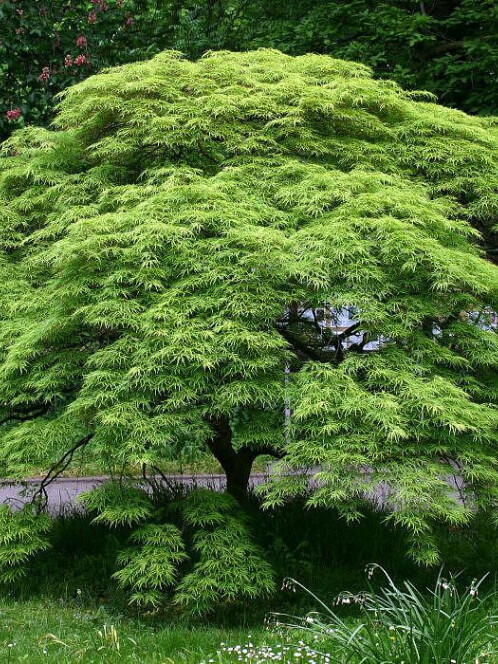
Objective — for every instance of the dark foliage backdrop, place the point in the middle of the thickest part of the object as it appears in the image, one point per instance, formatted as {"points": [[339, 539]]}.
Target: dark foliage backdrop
{"points": [[449, 47]]}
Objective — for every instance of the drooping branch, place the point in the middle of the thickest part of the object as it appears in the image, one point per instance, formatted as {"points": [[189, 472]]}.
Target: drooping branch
{"points": [[148, 480], [40, 497], [26, 415], [299, 346], [166, 480]]}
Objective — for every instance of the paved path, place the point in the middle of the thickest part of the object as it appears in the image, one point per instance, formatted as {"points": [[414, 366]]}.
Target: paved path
{"points": [[63, 492]]}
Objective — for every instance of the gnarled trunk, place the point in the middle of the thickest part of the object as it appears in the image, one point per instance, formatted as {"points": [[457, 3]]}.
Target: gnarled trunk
{"points": [[236, 464]]}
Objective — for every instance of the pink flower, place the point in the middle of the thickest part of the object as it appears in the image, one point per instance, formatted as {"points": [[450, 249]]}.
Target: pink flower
{"points": [[103, 6], [45, 74], [129, 21], [68, 61], [92, 17], [81, 41], [14, 114], [80, 60]]}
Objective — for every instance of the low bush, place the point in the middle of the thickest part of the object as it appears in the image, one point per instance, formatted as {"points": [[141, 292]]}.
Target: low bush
{"points": [[399, 624], [313, 545]]}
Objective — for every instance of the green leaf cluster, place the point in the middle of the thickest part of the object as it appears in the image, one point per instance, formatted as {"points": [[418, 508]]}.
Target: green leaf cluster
{"points": [[117, 504], [23, 533], [151, 566], [207, 557]]}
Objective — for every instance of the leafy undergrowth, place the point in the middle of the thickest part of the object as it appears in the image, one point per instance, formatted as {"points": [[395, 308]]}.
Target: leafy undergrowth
{"points": [[69, 609], [313, 546]]}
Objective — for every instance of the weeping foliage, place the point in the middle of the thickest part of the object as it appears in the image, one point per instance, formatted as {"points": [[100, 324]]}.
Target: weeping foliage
{"points": [[230, 566], [22, 534], [189, 229], [116, 504], [151, 566], [207, 558]]}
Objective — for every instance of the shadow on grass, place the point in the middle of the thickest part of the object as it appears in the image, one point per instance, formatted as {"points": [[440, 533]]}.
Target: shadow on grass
{"points": [[312, 545]]}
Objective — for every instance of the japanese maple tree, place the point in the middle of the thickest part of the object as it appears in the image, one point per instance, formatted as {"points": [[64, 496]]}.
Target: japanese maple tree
{"points": [[177, 257]]}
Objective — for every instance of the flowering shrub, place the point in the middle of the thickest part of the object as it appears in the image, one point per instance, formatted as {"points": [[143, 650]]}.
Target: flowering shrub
{"points": [[48, 46], [401, 625]]}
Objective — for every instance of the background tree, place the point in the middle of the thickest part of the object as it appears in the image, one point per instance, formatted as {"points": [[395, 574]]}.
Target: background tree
{"points": [[447, 47], [193, 229], [47, 46]]}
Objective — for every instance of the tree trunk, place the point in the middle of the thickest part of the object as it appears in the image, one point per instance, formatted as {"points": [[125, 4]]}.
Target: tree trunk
{"points": [[237, 465], [238, 473]]}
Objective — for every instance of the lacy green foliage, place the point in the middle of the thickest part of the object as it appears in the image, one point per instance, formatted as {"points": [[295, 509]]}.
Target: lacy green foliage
{"points": [[371, 425], [117, 504], [231, 566], [151, 566], [159, 252], [449, 48], [22, 534]]}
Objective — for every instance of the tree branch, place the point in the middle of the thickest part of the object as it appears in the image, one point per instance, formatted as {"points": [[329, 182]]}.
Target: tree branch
{"points": [[262, 450], [24, 417], [299, 346], [171, 486], [449, 46], [348, 332], [55, 471]]}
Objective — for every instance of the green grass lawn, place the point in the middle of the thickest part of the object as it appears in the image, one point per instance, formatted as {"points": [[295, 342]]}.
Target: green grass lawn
{"points": [[80, 629], [43, 630], [65, 631], [44, 617]]}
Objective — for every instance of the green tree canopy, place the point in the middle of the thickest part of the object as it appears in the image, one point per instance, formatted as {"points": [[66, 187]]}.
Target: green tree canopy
{"points": [[175, 259]]}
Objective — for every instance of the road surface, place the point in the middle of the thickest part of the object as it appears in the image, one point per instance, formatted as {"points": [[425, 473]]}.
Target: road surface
{"points": [[63, 492]]}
